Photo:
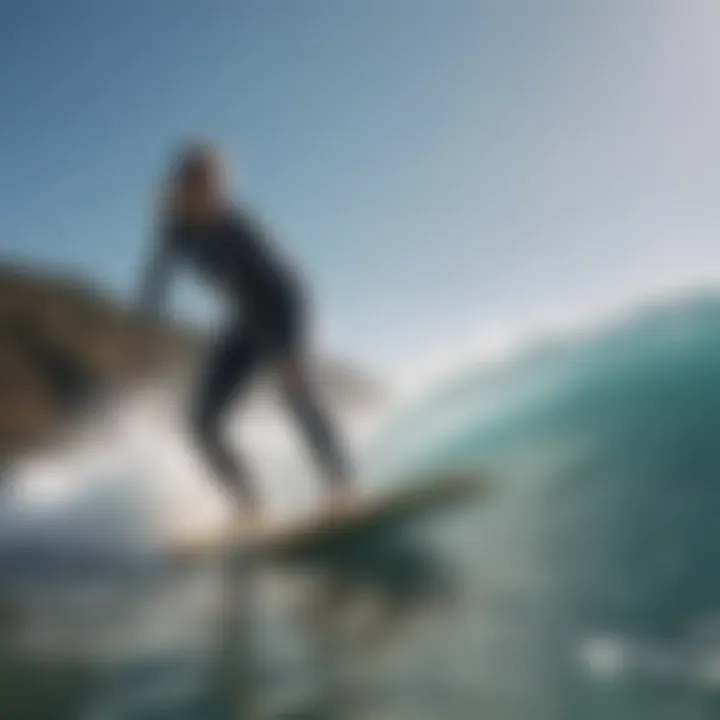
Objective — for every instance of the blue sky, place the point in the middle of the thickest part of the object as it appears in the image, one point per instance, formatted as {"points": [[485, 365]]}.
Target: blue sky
{"points": [[448, 173]]}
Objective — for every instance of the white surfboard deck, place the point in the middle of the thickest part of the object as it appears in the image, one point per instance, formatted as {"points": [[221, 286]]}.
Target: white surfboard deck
{"points": [[372, 513]]}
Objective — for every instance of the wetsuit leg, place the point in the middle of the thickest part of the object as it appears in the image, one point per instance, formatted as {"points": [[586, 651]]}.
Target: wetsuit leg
{"points": [[228, 372], [313, 421]]}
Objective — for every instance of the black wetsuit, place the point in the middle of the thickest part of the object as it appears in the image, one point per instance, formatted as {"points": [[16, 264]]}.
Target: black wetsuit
{"points": [[269, 314]]}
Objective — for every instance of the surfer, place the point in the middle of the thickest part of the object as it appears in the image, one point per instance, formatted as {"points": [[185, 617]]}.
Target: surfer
{"points": [[225, 243]]}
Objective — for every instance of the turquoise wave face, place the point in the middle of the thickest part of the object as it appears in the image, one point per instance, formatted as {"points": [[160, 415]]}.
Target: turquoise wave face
{"points": [[605, 451], [632, 399]]}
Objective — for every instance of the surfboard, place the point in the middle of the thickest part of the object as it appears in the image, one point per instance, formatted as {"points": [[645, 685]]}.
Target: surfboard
{"points": [[369, 515]]}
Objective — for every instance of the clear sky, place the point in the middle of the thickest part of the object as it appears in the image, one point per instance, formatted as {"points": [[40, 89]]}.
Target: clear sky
{"points": [[447, 172]]}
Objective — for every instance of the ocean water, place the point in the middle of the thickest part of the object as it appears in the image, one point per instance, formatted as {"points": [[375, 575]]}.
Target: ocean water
{"points": [[585, 585]]}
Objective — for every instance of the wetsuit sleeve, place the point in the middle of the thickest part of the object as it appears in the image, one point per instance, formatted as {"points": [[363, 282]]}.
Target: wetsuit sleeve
{"points": [[156, 276]]}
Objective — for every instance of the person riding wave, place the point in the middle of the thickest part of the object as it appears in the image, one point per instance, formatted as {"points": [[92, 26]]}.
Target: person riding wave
{"points": [[268, 326]]}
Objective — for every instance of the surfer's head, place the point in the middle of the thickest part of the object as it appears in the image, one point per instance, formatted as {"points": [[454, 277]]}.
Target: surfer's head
{"points": [[198, 183]]}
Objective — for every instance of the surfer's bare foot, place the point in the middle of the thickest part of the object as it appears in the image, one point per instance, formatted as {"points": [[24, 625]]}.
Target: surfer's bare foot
{"points": [[247, 520]]}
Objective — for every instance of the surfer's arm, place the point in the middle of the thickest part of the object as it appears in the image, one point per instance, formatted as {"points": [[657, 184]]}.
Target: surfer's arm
{"points": [[156, 276]]}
